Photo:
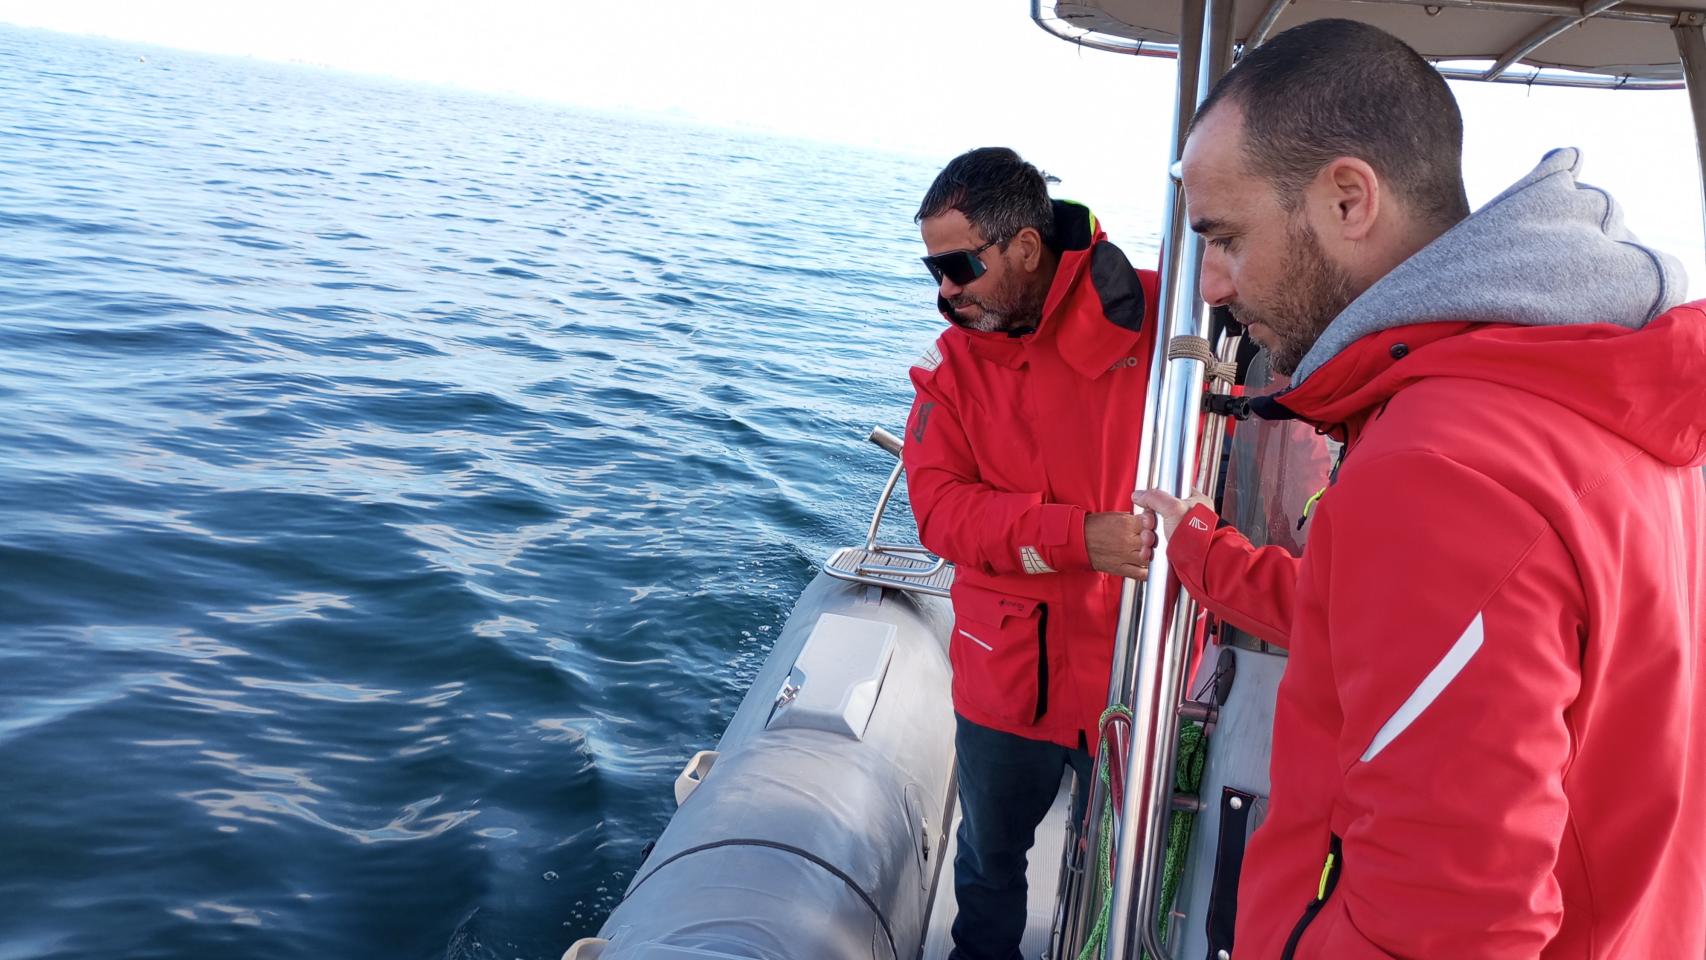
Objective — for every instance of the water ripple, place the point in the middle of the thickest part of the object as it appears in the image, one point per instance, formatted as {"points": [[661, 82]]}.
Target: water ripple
{"points": [[398, 486]]}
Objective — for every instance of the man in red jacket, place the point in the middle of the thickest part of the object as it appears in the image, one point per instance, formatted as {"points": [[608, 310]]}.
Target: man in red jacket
{"points": [[1488, 739], [1021, 453]]}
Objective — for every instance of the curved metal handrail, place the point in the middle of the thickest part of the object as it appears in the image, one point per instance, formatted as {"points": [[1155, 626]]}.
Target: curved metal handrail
{"points": [[931, 564], [1547, 77], [886, 440]]}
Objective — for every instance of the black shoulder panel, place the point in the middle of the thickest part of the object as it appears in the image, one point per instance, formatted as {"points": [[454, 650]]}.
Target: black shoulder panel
{"points": [[1116, 284]]}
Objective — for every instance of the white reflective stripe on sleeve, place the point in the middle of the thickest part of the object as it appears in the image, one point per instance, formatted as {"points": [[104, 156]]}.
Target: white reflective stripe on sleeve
{"points": [[1431, 687]]}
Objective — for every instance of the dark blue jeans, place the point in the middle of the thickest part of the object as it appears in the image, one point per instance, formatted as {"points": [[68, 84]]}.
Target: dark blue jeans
{"points": [[1007, 784]]}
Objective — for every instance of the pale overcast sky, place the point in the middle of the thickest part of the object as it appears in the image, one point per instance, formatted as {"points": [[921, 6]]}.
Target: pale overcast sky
{"points": [[929, 77]]}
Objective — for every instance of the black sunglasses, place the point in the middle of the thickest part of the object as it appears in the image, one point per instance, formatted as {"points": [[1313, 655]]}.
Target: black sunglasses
{"points": [[960, 266]]}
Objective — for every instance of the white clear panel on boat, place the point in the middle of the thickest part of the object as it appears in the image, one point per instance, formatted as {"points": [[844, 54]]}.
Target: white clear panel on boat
{"points": [[1274, 470]]}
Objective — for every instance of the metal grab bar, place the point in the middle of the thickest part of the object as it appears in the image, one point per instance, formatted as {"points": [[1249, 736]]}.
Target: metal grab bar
{"points": [[903, 548], [888, 491], [1156, 677], [892, 444], [1163, 800], [899, 566], [922, 573], [1074, 917], [886, 440]]}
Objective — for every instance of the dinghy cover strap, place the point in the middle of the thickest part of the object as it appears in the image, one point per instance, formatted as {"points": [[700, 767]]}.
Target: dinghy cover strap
{"points": [[790, 849]]}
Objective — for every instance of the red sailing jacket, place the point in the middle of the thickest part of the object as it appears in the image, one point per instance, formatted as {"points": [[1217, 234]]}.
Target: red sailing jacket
{"points": [[1494, 714], [1011, 441]]}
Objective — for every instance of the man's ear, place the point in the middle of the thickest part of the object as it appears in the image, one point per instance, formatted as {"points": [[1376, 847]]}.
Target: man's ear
{"points": [[1347, 197], [1027, 246]]}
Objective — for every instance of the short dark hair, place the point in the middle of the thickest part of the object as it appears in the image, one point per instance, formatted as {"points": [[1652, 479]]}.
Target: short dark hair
{"points": [[997, 191], [1339, 88]]}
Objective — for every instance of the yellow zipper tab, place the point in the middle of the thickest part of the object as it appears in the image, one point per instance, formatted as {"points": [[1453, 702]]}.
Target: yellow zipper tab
{"points": [[1326, 874], [1309, 504]]}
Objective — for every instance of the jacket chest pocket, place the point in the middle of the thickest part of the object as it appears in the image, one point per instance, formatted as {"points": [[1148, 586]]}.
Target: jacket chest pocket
{"points": [[999, 653]]}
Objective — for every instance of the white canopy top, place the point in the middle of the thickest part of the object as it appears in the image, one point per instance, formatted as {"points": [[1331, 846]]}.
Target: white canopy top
{"points": [[1632, 40]]}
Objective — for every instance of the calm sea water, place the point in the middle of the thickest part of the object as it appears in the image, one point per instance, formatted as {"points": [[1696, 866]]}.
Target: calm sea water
{"points": [[397, 485]]}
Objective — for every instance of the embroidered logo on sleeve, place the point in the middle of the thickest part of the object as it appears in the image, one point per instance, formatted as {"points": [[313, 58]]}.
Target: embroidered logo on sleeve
{"points": [[922, 420], [1033, 561], [1197, 524]]}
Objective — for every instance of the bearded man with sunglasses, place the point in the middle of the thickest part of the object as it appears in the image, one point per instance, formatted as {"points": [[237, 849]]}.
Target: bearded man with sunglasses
{"points": [[1021, 452]]}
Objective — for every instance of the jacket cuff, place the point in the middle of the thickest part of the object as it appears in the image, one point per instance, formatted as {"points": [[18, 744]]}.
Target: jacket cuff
{"points": [[1063, 537], [1187, 548]]}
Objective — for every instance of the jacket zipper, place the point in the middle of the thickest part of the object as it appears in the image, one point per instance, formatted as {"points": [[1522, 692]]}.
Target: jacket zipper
{"points": [[1329, 880], [1042, 662], [1332, 478]]}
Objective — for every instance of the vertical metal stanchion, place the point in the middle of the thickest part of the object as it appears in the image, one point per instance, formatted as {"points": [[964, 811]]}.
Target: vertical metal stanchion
{"points": [[1691, 44], [1154, 673]]}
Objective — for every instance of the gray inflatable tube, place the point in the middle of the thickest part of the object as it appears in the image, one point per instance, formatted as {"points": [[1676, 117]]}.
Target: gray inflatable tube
{"points": [[816, 830]]}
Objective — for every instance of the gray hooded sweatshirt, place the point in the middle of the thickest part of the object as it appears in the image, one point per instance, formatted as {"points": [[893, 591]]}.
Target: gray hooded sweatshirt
{"points": [[1549, 251]]}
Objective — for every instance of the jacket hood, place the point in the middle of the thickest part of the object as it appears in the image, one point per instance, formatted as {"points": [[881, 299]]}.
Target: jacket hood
{"points": [[1543, 290], [1549, 251], [1095, 309]]}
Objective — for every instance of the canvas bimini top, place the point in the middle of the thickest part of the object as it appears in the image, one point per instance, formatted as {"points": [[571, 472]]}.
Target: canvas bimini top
{"points": [[1601, 42]]}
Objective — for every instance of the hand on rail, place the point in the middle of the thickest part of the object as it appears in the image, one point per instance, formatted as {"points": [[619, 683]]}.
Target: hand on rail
{"points": [[1168, 508], [1120, 543]]}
